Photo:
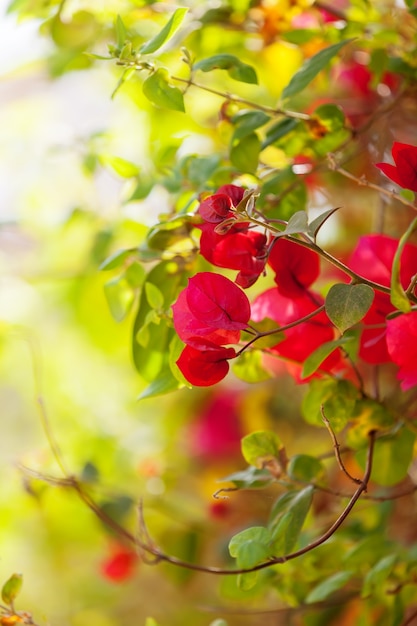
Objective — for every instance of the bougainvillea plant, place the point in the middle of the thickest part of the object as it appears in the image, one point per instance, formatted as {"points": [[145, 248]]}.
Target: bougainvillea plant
{"points": [[286, 251]]}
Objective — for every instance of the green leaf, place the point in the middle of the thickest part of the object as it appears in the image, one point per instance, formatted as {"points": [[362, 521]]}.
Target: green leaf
{"points": [[250, 478], [256, 534], [168, 277], [261, 446], [305, 468], [11, 589], [121, 32], [346, 305], [234, 66], [154, 296], [160, 92], [245, 154], [120, 296], [286, 527], [398, 296], [248, 121], [247, 581], [116, 259], [166, 33], [122, 167], [378, 574], [311, 68], [368, 415], [338, 398], [315, 225], [298, 223], [164, 383], [279, 130], [248, 367], [77, 33], [328, 586], [316, 358], [392, 457]]}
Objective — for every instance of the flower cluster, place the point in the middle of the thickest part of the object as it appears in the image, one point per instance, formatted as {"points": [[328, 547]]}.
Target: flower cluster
{"points": [[211, 312], [209, 316], [227, 242]]}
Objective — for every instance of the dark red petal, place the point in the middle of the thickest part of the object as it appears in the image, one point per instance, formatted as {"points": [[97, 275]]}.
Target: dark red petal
{"points": [[301, 340], [295, 267], [217, 301], [203, 368], [234, 192], [407, 168], [392, 172], [215, 209], [191, 330], [402, 347]]}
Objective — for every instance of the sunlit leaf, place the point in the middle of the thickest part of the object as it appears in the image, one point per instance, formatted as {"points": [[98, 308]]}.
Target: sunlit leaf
{"points": [[378, 574], [121, 32], [166, 33], [119, 296], [234, 66], [248, 367], [392, 457], [338, 399], [328, 586], [305, 468], [117, 259], [258, 534], [245, 154], [311, 68], [247, 122], [316, 358], [279, 130], [250, 478], [159, 91], [11, 588], [261, 446], [154, 295], [286, 528], [122, 167], [315, 225], [164, 383], [346, 305], [398, 296]]}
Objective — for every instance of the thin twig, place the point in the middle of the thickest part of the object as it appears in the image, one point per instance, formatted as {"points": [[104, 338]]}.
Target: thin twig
{"points": [[363, 182], [336, 447], [161, 556]]}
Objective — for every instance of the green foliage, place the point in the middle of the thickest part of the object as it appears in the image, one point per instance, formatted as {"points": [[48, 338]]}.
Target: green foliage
{"points": [[260, 447], [311, 68], [346, 305], [99, 237], [235, 67]]}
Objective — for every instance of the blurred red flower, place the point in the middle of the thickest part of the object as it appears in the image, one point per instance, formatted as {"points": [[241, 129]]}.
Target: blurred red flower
{"points": [[372, 259], [402, 347], [120, 565], [404, 172]]}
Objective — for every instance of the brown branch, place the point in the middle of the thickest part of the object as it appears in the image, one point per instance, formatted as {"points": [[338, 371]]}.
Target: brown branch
{"points": [[150, 548], [363, 182], [280, 329], [336, 447]]}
